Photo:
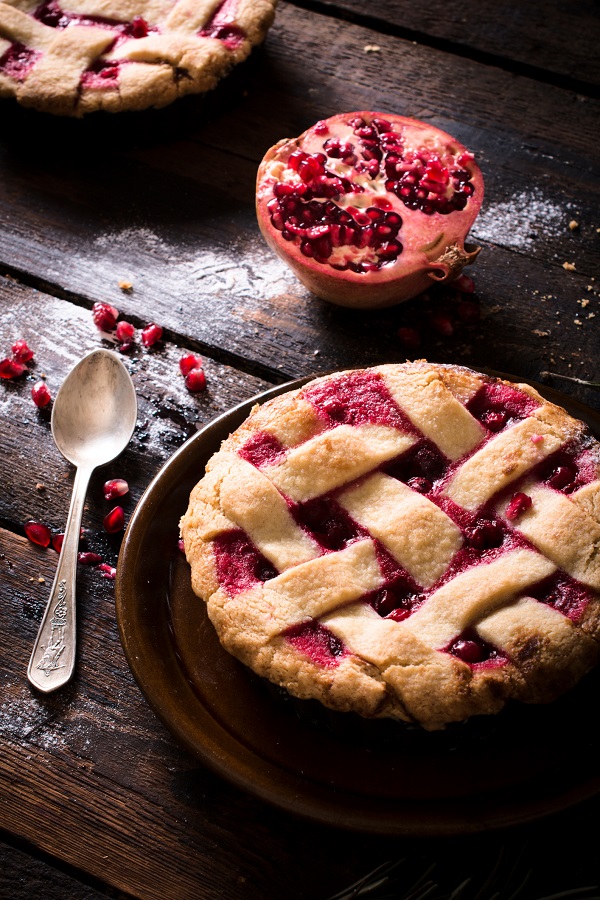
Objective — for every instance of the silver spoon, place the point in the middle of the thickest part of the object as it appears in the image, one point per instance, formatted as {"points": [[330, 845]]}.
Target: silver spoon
{"points": [[93, 418]]}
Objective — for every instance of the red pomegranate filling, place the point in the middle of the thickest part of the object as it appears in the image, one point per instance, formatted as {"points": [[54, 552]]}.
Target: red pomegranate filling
{"points": [[317, 642], [101, 75], [222, 26], [498, 405], [50, 13], [357, 399], [472, 649], [240, 565], [568, 469], [330, 525], [420, 467], [18, 60], [262, 449], [563, 593], [333, 202]]}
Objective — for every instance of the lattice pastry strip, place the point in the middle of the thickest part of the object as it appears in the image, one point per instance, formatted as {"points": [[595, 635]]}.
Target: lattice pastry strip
{"points": [[334, 458], [405, 522], [563, 531], [73, 56], [435, 411], [425, 532]]}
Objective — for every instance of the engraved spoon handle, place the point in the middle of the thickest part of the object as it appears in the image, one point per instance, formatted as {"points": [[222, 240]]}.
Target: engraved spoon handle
{"points": [[53, 658]]}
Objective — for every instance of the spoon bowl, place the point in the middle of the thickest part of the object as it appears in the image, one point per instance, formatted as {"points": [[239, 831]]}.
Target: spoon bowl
{"points": [[95, 410], [93, 418]]}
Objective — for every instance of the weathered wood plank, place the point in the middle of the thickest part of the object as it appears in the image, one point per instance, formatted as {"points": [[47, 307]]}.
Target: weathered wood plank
{"points": [[177, 217], [554, 38], [22, 875]]}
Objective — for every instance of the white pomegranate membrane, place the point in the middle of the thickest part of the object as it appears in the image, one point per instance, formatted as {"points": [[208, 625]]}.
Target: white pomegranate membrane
{"points": [[373, 202]]}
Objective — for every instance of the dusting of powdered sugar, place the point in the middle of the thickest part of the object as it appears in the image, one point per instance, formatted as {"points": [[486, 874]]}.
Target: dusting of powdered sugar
{"points": [[520, 221], [244, 269]]}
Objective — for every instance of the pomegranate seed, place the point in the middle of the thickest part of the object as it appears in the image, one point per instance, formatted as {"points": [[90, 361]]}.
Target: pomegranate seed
{"points": [[107, 571], [537, 438], [562, 477], [410, 337], [126, 347], [468, 311], [40, 394], [494, 421], [125, 331], [38, 533], [485, 535], [442, 323], [464, 284], [195, 380], [105, 316], [519, 504], [116, 487], [321, 127], [89, 559], [181, 545], [468, 651], [139, 27], [421, 485], [21, 351], [151, 334], [11, 368], [114, 520], [189, 362], [57, 541]]}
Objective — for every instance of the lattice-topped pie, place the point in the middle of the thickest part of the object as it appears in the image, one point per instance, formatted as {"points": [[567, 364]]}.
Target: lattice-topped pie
{"points": [[413, 541], [73, 56]]}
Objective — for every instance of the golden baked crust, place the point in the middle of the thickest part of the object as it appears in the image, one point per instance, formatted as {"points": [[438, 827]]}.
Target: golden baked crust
{"points": [[413, 541], [71, 57]]}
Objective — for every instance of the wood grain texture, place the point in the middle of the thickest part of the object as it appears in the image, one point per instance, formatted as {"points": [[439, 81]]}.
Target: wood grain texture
{"points": [[544, 38], [89, 778], [176, 216]]}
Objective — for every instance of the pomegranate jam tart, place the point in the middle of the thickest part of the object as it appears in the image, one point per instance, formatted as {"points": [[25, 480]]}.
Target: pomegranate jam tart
{"points": [[370, 208], [73, 56], [409, 541]]}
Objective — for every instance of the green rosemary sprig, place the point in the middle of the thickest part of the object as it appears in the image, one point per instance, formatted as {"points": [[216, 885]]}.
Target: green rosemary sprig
{"points": [[592, 384]]}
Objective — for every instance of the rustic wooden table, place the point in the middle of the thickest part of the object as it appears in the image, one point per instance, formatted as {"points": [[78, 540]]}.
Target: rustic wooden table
{"points": [[96, 796]]}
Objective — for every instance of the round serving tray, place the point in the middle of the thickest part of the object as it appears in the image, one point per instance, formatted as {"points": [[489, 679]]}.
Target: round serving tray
{"points": [[375, 776]]}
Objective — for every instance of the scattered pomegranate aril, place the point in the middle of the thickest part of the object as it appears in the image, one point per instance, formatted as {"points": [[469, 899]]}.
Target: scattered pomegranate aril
{"points": [[21, 352], [195, 380], [116, 487], [519, 503], [105, 316], [442, 323], [107, 571], [57, 541], [38, 533], [114, 521], [11, 368], [188, 362], [369, 209], [181, 545], [151, 334], [464, 284], [125, 332], [40, 394], [87, 558], [410, 337], [468, 311]]}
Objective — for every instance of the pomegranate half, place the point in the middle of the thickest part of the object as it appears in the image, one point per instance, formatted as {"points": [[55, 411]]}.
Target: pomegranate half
{"points": [[369, 208]]}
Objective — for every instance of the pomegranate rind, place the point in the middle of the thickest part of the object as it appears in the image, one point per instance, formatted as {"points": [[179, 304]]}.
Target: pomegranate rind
{"points": [[433, 246]]}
